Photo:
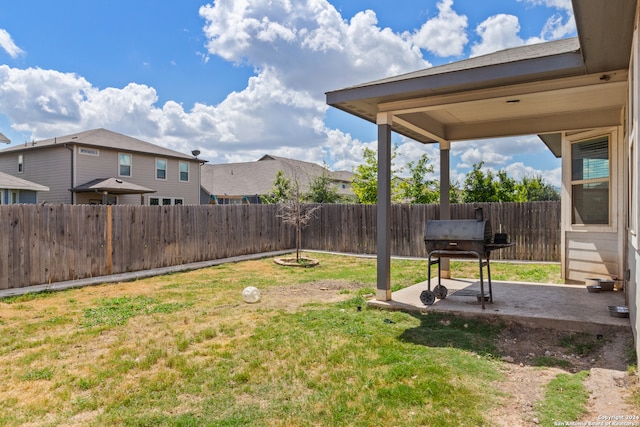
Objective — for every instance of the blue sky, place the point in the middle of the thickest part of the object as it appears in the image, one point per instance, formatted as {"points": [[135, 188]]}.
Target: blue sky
{"points": [[239, 79]]}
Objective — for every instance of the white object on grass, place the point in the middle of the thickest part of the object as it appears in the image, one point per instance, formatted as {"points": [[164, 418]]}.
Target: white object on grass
{"points": [[251, 294]]}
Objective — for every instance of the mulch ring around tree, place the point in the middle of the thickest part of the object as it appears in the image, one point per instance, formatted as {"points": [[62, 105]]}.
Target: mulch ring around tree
{"points": [[300, 262]]}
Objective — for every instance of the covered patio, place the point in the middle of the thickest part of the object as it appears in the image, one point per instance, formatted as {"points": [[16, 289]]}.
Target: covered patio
{"points": [[556, 89], [535, 305], [109, 188]]}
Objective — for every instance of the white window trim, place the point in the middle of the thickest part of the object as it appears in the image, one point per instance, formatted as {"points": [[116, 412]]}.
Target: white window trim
{"points": [[130, 166], [162, 198], [612, 133], [20, 163]]}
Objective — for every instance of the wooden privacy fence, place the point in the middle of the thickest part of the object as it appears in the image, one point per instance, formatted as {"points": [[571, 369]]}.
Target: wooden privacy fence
{"points": [[49, 243], [534, 227], [42, 244]]}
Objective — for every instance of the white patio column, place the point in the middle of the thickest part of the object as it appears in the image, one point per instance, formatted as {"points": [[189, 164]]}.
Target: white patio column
{"points": [[445, 201], [383, 292]]}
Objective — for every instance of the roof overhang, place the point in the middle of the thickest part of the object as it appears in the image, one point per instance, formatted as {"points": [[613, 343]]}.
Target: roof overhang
{"points": [[15, 183], [111, 186], [551, 87]]}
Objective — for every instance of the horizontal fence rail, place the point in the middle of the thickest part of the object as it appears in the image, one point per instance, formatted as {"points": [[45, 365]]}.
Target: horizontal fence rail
{"points": [[43, 243]]}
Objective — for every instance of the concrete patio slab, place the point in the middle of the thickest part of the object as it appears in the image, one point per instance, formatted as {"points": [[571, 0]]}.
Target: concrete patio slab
{"points": [[561, 307]]}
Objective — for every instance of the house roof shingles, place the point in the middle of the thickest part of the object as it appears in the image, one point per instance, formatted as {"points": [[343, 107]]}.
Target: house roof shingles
{"points": [[112, 186], [14, 183], [256, 178], [101, 138]]}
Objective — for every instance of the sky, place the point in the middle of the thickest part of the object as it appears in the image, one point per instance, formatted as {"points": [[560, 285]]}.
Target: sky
{"points": [[237, 79]]}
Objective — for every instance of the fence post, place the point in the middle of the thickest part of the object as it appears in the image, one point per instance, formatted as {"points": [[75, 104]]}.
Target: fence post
{"points": [[109, 240]]}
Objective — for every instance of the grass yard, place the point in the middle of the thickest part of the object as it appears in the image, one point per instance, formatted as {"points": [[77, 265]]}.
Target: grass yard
{"points": [[184, 350]]}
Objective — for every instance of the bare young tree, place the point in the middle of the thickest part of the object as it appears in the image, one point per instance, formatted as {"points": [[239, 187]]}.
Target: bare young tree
{"points": [[294, 212]]}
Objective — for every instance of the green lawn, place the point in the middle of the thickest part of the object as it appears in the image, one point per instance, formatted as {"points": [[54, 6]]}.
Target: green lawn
{"points": [[184, 350]]}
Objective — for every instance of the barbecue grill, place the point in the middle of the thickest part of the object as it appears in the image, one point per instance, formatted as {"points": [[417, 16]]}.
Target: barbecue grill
{"points": [[471, 238]]}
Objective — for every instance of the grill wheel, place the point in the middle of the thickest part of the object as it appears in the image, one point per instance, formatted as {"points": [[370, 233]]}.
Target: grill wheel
{"points": [[427, 297], [440, 292]]}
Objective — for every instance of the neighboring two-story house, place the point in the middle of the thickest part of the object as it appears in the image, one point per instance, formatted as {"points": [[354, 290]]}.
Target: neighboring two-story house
{"points": [[235, 183], [15, 190], [100, 166]]}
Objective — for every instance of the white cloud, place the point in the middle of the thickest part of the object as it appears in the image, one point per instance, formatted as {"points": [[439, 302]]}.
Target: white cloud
{"points": [[502, 31], [557, 4], [7, 43], [496, 33], [305, 43], [444, 35], [298, 50], [560, 24], [490, 158], [519, 170]]}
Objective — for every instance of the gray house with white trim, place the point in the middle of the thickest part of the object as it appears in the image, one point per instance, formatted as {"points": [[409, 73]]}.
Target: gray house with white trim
{"points": [[100, 166], [15, 190], [580, 95]]}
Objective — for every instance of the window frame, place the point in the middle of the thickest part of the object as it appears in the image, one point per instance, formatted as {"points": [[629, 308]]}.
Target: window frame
{"points": [[180, 172], [165, 201], [166, 166], [130, 165], [20, 163], [611, 135]]}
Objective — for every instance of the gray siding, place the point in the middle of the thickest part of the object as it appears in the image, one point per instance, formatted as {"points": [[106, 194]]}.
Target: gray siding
{"points": [[49, 166], [52, 166], [143, 172]]}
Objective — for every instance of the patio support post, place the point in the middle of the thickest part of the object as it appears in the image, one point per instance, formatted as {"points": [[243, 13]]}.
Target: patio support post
{"points": [[445, 202], [383, 292]]}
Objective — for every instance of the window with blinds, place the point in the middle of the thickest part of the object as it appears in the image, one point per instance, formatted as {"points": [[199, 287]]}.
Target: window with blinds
{"points": [[590, 176]]}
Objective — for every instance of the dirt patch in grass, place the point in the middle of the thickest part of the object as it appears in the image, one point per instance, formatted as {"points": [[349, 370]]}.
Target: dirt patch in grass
{"points": [[536, 356], [291, 298]]}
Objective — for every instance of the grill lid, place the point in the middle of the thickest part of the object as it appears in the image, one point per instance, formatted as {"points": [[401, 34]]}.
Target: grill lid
{"points": [[458, 230]]}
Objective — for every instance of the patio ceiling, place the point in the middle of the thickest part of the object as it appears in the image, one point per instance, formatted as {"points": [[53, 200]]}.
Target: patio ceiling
{"points": [[563, 85], [566, 104]]}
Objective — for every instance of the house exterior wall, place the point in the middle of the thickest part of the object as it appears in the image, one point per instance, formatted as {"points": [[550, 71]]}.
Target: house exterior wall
{"points": [[595, 250], [633, 164], [49, 166], [143, 172]]}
